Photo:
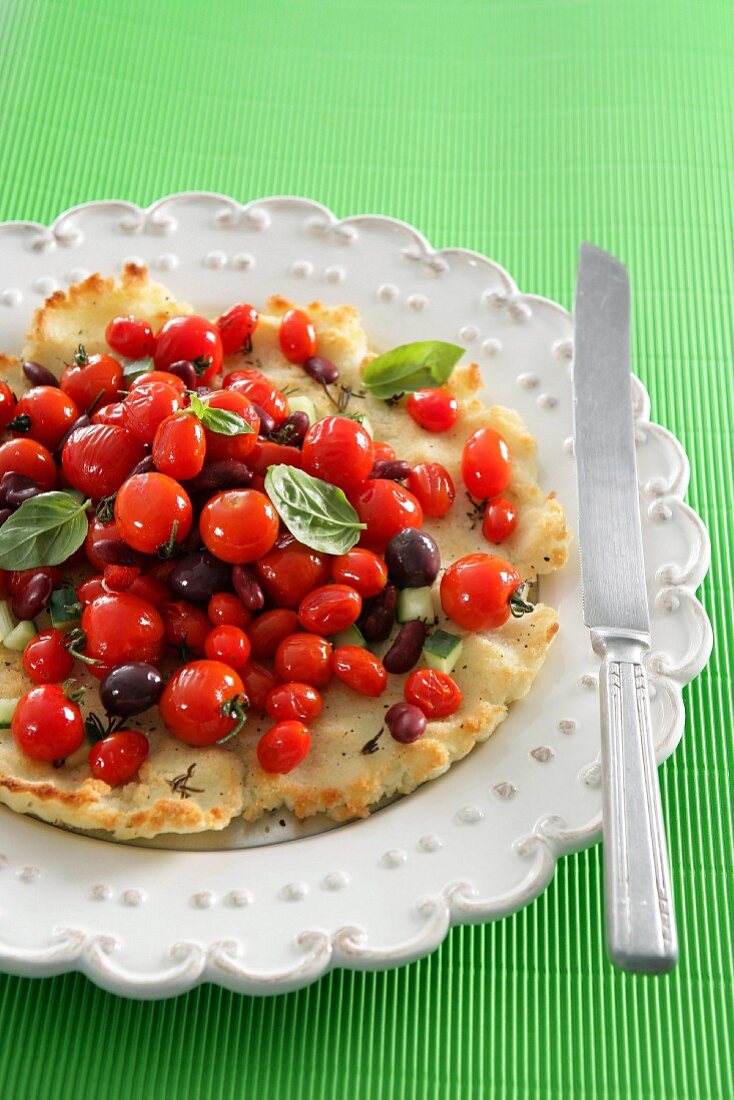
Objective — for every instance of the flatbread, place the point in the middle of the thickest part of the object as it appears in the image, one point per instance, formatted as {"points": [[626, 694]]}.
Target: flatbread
{"points": [[183, 790]]}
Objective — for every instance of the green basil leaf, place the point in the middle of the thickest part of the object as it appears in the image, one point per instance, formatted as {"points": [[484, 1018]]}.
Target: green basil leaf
{"points": [[221, 421], [411, 367], [45, 530], [315, 512], [137, 367]]}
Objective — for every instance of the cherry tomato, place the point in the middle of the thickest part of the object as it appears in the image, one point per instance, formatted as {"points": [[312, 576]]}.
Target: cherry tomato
{"points": [[236, 326], [435, 693], [291, 570], [33, 460], [297, 336], [476, 591], [91, 590], [228, 644], [386, 508], [433, 486], [179, 447], [186, 627], [92, 379], [152, 511], [338, 450], [435, 410], [110, 414], [268, 630], [130, 336], [7, 405], [330, 609], [266, 453], [258, 388], [238, 525], [220, 446], [362, 569], [192, 338], [486, 464], [294, 700], [384, 452], [97, 459], [306, 658], [117, 759], [164, 376], [147, 406], [283, 747], [500, 520], [203, 702], [19, 578], [120, 628], [226, 609], [46, 725], [259, 682], [360, 670], [46, 659], [151, 589], [120, 578], [50, 413], [99, 532]]}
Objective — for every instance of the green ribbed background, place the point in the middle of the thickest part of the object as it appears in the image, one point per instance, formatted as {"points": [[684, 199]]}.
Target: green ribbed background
{"points": [[519, 129]]}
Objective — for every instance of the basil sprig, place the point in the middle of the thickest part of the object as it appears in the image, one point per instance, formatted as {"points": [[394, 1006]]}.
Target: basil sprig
{"points": [[45, 530], [410, 367], [221, 421], [317, 513], [136, 367]]}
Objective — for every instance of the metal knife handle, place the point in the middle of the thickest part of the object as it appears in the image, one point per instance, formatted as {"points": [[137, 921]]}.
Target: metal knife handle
{"points": [[641, 931]]}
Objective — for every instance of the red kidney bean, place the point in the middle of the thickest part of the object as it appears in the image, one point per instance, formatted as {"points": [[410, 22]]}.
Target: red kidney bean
{"points": [[15, 488], [390, 469], [82, 421], [33, 597], [226, 473], [145, 466], [267, 422], [248, 588], [412, 558], [406, 722], [321, 370], [5, 513], [378, 614], [38, 375], [186, 371], [405, 651], [116, 552]]}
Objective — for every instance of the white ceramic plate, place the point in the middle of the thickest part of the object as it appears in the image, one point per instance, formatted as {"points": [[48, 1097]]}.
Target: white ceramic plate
{"points": [[476, 844]]}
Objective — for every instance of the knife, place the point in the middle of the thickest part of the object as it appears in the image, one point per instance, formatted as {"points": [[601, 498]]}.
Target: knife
{"points": [[640, 919]]}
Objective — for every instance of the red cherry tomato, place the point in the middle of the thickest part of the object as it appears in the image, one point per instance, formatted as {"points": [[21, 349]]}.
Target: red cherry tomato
{"points": [[259, 682], [476, 591], [290, 571], [151, 589], [146, 406], [362, 569], [360, 670], [228, 644], [220, 446], [266, 453], [110, 414], [283, 747], [226, 609], [186, 627], [203, 702], [46, 659], [152, 511], [435, 693], [384, 452], [293, 700], [330, 609], [268, 630], [120, 578], [130, 336], [99, 532], [120, 628], [305, 658], [486, 464], [93, 379], [238, 525], [386, 508], [236, 326], [7, 405], [433, 486], [435, 410], [117, 759], [163, 376], [18, 578], [179, 447], [192, 338], [46, 725], [258, 388], [96, 460], [49, 412], [297, 336], [25, 456], [500, 520], [338, 450], [91, 590]]}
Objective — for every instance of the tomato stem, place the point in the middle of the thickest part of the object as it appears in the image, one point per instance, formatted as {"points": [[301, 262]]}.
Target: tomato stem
{"points": [[236, 707], [519, 606], [73, 694], [170, 546], [80, 356], [105, 510], [75, 641], [21, 423]]}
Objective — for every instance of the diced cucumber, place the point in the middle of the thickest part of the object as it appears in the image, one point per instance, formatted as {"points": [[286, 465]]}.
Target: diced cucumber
{"points": [[19, 638], [65, 608], [352, 636], [415, 603], [367, 426], [7, 619], [297, 403], [7, 709], [442, 650]]}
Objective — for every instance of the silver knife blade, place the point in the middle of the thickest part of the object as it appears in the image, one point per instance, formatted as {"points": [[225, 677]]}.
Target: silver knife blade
{"points": [[610, 539]]}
